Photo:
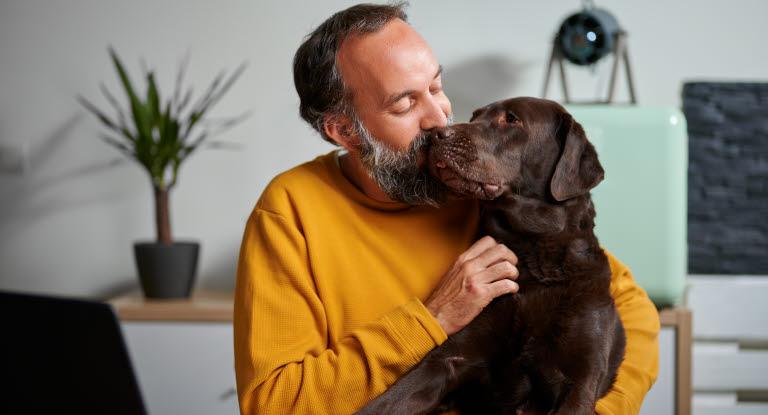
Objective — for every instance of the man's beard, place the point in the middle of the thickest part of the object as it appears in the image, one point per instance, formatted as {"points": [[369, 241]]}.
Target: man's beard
{"points": [[397, 172]]}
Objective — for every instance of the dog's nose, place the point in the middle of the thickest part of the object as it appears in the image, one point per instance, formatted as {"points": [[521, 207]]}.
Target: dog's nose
{"points": [[442, 133]]}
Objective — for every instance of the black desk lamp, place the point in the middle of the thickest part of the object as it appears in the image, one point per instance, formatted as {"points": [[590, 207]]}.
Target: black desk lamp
{"points": [[583, 39]]}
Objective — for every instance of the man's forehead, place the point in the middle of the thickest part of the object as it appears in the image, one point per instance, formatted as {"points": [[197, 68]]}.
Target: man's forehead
{"points": [[388, 61]]}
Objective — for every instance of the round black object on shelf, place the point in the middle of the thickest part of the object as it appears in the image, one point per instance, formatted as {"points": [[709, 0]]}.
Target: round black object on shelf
{"points": [[587, 36]]}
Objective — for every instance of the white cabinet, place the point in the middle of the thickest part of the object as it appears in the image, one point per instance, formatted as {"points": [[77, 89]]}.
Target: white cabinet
{"points": [[730, 351], [671, 394], [660, 400], [182, 352], [183, 368]]}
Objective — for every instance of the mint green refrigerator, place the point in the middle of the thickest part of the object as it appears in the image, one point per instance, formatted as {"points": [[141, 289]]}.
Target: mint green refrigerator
{"points": [[642, 203]]}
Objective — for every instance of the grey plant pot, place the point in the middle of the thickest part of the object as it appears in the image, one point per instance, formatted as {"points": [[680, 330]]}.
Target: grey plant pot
{"points": [[166, 270]]}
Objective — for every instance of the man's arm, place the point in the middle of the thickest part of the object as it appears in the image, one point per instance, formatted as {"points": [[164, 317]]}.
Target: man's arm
{"points": [[284, 358], [485, 271], [283, 361], [640, 367]]}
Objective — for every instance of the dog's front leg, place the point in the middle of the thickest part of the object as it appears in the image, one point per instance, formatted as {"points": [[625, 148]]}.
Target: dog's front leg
{"points": [[425, 385], [607, 348]]}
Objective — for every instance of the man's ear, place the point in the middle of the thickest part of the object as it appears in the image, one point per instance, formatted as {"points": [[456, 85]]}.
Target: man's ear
{"points": [[578, 169], [339, 129]]}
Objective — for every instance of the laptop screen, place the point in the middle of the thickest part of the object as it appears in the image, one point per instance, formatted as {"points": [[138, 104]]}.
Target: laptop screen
{"points": [[61, 354]]}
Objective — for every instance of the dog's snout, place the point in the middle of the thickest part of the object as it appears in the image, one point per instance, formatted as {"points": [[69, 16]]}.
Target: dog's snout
{"points": [[442, 133]]}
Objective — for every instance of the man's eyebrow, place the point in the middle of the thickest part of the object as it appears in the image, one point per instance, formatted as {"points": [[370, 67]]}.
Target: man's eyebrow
{"points": [[439, 71], [397, 97]]}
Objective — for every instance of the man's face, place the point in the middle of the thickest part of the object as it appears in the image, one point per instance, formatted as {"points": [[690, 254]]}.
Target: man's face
{"points": [[398, 97], [399, 173]]}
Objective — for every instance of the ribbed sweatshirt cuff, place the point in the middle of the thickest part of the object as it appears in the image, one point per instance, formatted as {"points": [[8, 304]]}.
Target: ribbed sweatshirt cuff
{"points": [[614, 404], [416, 329]]}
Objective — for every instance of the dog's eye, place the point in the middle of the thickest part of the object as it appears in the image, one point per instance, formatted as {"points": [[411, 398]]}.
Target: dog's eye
{"points": [[511, 119]]}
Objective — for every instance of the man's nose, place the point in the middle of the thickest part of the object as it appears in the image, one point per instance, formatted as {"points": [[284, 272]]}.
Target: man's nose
{"points": [[435, 115]]}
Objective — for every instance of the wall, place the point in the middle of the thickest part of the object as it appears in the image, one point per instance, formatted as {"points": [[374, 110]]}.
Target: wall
{"points": [[68, 221], [727, 186]]}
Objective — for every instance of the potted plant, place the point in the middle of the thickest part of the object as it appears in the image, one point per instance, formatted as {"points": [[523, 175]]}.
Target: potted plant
{"points": [[160, 136]]}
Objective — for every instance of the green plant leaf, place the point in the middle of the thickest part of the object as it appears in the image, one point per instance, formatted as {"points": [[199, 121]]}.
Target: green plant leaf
{"points": [[201, 102], [219, 126], [213, 95], [120, 146], [153, 97], [138, 109], [195, 144], [184, 102], [179, 80], [113, 102], [100, 115], [156, 133]]}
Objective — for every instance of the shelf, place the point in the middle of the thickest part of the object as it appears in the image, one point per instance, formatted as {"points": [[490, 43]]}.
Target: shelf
{"points": [[207, 305], [203, 306]]}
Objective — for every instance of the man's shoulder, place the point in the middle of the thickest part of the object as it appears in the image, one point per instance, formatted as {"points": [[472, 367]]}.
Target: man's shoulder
{"points": [[617, 267], [309, 172], [292, 185]]}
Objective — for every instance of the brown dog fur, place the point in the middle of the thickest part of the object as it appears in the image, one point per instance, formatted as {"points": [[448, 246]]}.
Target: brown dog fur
{"points": [[556, 345]]}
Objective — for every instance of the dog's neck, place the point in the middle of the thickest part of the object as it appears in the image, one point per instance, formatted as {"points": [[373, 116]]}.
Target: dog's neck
{"points": [[546, 236], [528, 217]]}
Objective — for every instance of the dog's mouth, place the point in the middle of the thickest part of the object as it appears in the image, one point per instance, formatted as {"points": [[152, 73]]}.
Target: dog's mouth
{"points": [[463, 185]]}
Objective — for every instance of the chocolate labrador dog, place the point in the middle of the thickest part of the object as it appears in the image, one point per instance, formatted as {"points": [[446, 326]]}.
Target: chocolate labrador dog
{"points": [[555, 346]]}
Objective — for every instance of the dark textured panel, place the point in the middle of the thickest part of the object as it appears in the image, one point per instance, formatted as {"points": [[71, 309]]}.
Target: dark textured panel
{"points": [[727, 177]]}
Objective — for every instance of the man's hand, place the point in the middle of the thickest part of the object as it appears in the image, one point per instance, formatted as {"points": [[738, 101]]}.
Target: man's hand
{"points": [[482, 273]]}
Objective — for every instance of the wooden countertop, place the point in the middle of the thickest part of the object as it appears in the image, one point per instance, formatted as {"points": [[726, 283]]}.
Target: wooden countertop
{"points": [[203, 306], [217, 306], [674, 316]]}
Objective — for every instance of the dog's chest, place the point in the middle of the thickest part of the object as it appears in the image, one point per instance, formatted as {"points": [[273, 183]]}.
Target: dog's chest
{"points": [[556, 285]]}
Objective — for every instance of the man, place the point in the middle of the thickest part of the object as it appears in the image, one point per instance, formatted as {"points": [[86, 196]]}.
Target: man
{"points": [[348, 272]]}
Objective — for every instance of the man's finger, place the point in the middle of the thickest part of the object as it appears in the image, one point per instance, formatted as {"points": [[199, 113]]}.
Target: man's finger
{"points": [[482, 245], [497, 272], [494, 255], [502, 287]]}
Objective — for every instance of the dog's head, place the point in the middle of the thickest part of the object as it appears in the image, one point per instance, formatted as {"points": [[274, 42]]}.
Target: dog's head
{"points": [[525, 146]]}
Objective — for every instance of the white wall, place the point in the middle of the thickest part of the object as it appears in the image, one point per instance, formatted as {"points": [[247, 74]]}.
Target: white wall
{"points": [[68, 222]]}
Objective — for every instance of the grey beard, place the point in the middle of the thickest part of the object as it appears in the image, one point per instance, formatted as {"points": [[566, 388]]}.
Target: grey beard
{"points": [[397, 172]]}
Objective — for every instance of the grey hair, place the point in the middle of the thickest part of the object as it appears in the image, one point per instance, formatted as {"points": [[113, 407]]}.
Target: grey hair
{"points": [[322, 91], [397, 172]]}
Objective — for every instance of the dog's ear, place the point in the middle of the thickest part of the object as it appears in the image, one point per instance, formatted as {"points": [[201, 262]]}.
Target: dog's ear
{"points": [[578, 169]]}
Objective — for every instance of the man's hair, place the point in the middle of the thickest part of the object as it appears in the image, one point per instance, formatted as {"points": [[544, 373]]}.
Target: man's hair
{"points": [[316, 75]]}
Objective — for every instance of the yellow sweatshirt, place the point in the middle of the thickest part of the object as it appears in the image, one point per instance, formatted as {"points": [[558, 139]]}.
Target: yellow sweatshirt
{"points": [[328, 300]]}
